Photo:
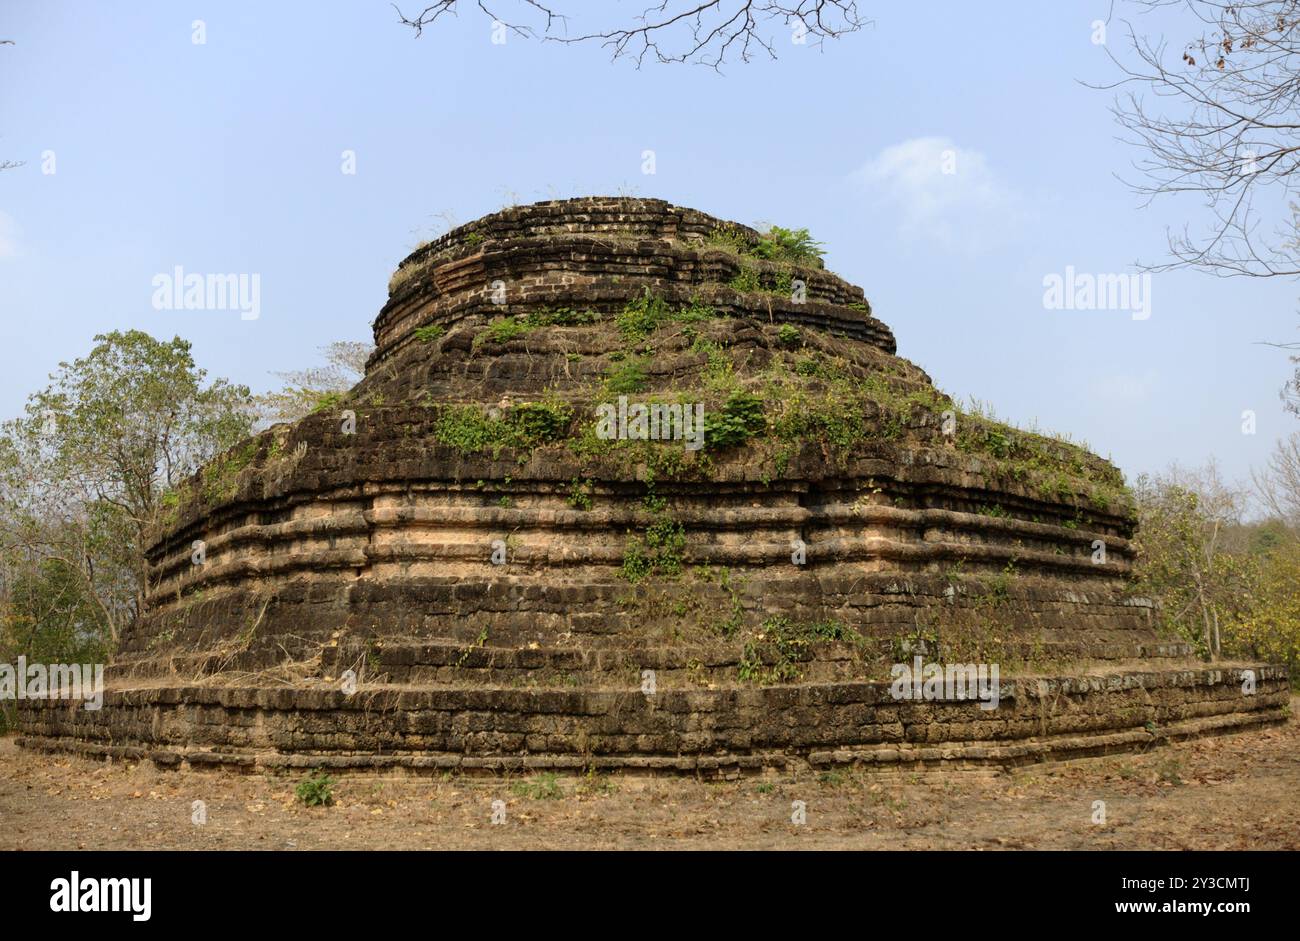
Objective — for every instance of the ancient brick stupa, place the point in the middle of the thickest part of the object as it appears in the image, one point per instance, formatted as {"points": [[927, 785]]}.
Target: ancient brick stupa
{"points": [[510, 546]]}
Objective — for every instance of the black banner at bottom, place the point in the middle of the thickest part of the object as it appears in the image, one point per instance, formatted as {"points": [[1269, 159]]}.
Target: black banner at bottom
{"points": [[335, 890]]}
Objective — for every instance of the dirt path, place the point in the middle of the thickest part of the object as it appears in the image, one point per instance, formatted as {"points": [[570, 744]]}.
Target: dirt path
{"points": [[1235, 792]]}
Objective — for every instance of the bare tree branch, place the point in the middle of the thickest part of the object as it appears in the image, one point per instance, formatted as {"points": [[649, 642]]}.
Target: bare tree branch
{"points": [[703, 32], [1223, 123], [1277, 485]]}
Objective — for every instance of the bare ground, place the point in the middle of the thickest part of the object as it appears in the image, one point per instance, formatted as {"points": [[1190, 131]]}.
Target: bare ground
{"points": [[1233, 792]]}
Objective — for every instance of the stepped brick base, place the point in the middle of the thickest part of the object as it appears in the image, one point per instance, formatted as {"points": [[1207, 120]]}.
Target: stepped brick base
{"points": [[709, 731]]}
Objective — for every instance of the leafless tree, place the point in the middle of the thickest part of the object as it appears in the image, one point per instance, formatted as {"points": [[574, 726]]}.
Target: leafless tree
{"points": [[1222, 123], [1278, 483], [705, 32], [305, 389]]}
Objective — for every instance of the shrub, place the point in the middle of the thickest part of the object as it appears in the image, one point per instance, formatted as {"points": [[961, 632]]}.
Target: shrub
{"points": [[316, 790], [784, 644], [746, 280], [792, 245], [630, 376], [536, 422], [328, 402], [544, 786], [729, 237], [467, 429], [741, 417], [1269, 629], [501, 331], [643, 316], [660, 550], [580, 492]]}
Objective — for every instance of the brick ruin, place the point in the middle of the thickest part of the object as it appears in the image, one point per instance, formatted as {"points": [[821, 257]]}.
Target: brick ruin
{"points": [[449, 568]]}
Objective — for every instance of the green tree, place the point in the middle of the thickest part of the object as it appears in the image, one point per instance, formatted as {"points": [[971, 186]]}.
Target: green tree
{"points": [[84, 470], [1185, 552], [49, 616], [1270, 627]]}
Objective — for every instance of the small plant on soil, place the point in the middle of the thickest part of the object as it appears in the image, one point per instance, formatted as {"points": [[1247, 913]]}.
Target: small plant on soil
{"points": [[316, 790], [595, 784], [544, 786]]}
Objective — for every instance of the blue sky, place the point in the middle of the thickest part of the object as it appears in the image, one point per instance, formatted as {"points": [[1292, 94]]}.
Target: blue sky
{"points": [[226, 157]]}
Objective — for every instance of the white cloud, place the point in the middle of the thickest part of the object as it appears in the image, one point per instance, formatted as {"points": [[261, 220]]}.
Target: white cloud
{"points": [[942, 193], [8, 236]]}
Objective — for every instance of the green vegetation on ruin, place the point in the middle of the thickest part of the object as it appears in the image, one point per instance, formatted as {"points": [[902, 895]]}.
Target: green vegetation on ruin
{"points": [[220, 476], [777, 244], [469, 429], [740, 418], [657, 550], [510, 327], [750, 280], [580, 494], [774, 652], [329, 401], [805, 397], [647, 313], [627, 377]]}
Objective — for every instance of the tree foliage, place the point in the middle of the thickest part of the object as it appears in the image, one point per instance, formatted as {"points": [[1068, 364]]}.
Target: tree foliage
{"points": [[82, 478], [1185, 519], [1227, 585]]}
